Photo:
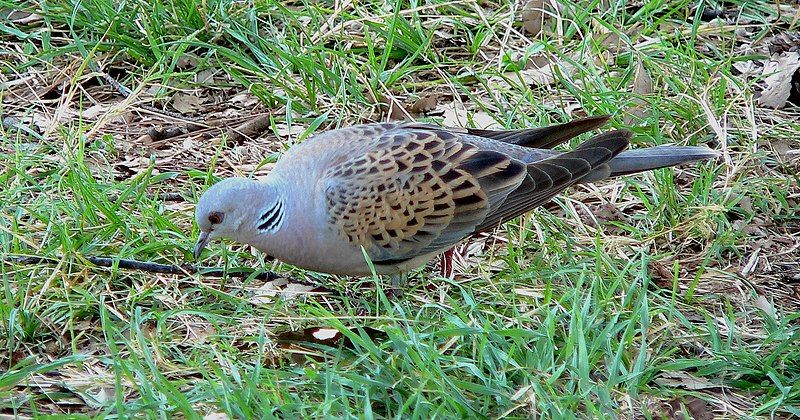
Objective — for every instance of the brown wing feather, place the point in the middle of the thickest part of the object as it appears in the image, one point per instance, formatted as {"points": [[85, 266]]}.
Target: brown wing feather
{"points": [[418, 189], [543, 137], [549, 177]]}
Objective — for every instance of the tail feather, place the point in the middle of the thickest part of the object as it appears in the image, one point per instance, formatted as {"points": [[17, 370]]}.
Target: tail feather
{"points": [[639, 160], [543, 137]]}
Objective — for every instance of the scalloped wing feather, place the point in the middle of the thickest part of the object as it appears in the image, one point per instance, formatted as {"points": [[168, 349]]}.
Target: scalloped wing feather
{"points": [[417, 189]]}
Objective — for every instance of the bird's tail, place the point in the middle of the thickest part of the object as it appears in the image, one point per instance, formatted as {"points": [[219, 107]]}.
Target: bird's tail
{"points": [[639, 160]]}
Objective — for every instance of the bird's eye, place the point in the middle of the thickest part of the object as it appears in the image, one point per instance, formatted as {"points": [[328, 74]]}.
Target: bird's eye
{"points": [[215, 218]]}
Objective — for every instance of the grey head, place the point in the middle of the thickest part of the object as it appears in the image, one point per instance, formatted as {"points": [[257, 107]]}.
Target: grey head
{"points": [[239, 209]]}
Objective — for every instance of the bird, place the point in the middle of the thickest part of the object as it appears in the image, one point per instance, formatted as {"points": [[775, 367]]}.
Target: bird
{"points": [[386, 198]]}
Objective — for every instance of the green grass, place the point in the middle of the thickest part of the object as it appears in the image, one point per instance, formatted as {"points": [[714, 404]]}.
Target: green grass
{"points": [[555, 315]]}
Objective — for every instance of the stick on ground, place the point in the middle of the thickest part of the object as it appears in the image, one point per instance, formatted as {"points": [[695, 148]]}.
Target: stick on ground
{"points": [[151, 267]]}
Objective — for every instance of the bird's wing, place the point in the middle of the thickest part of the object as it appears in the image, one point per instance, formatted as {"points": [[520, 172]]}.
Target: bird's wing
{"points": [[420, 189], [416, 190], [547, 178], [542, 137]]}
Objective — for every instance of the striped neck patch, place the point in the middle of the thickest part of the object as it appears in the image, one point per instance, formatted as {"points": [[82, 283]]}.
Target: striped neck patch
{"points": [[271, 220]]}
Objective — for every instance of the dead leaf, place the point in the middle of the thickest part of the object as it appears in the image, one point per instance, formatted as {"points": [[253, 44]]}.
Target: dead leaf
{"points": [[696, 409], [456, 115], [762, 303], [611, 41], [781, 147], [746, 204], [21, 17], [93, 396], [284, 288], [642, 86], [685, 380], [245, 99], [753, 228], [537, 61], [187, 61], [325, 335], [660, 274], [785, 42], [94, 111], [198, 333], [748, 68], [534, 16], [642, 82], [187, 104], [425, 104], [284, 130], [393, 109], [608, 212], [205, 77], [779, 73], [542, 76]]}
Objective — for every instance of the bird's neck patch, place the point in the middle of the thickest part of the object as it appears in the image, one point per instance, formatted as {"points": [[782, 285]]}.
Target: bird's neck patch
{"points": [[272, 219]]}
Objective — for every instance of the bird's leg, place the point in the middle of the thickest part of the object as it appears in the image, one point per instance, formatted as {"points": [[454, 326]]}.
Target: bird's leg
{"points": [[446, 263], [398, 284]]}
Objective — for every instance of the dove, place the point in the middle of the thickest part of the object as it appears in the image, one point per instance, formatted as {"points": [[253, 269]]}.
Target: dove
{"points": [[392, 196]]}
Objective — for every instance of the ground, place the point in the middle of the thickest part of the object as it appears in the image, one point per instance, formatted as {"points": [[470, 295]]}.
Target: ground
{"points": [[672, 294]]}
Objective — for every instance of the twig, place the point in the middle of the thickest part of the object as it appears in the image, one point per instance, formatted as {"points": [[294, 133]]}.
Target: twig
{"points": [[150, 267], [160, 133], [252, 128], [249, 130], [124, 91]]}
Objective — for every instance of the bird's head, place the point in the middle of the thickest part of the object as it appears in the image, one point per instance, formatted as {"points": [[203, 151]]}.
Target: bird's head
{"points": [[237, 209]]}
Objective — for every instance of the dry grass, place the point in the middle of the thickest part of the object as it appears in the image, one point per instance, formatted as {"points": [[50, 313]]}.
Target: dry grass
{"points": [[670, 293]]}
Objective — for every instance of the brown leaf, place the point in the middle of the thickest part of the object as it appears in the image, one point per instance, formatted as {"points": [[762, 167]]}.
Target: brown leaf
{"points": [[746, 204], [779, 72], [324, 335], [685, 380], [642, 82], [642, 86], [425, 104], [284, 288], [245, 100], [187, 61], [187, 104], [762, 303], [536, 76], [610, 40], [20, 17], [533, 17], [456, 115], [785, 42], [205, 77], [781, 147], [392, 108], [608, 212], [696, 409], [660, 274]]}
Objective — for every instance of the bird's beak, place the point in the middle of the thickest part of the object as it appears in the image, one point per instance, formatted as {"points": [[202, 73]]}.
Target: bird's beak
{"points": [[201, 243]]}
